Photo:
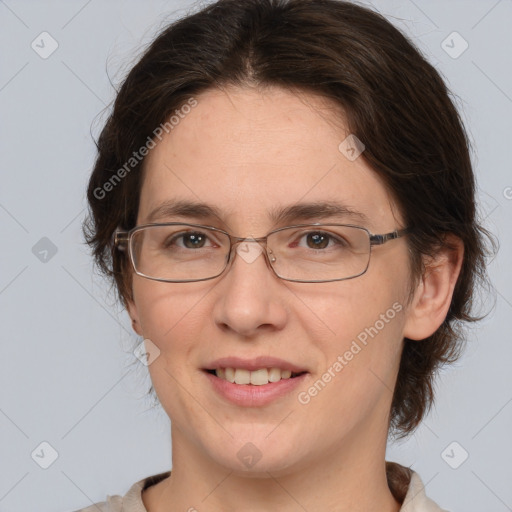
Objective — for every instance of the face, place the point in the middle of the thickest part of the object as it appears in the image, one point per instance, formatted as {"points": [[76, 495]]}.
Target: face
{"points": [[248, 153]]}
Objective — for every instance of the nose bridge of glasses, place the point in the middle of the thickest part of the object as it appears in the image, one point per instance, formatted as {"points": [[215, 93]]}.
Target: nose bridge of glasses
{"points": [[239, 239], [249, 253]]}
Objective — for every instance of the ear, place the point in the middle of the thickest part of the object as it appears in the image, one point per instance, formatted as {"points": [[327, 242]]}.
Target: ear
{"points": [[134, 315], [433, 294]]}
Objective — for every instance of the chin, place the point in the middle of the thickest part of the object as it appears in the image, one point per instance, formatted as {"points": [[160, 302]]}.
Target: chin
{"points": [[258, 455]]}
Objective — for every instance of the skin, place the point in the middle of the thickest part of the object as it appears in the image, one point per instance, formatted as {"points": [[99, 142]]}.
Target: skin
{"points": [[247, 151]]}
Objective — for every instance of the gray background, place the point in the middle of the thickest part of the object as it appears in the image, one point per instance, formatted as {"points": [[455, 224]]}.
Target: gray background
{"points": [[67, 374]]}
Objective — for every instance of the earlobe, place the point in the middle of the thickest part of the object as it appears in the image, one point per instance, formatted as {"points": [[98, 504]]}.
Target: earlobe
{"points": [[434, 291], [132, 311]]}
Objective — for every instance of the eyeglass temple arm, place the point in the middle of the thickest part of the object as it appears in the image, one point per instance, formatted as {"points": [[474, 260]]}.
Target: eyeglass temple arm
{"points": [[121, 240], [382, 239]]}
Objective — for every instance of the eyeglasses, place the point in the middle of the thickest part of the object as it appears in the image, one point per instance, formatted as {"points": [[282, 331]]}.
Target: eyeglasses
{"points": [[305, 253]]}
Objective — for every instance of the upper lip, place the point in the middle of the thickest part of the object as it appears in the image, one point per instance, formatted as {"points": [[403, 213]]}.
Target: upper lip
{"points": [[254, 364]]}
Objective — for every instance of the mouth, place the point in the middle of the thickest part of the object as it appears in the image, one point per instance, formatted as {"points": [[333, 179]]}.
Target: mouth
{"points": [[254, 388], [259, 377]]}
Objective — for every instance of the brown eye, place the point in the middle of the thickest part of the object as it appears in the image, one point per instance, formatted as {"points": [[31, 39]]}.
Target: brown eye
{"points": [[187, 240], [193, 240], [317, 240]]}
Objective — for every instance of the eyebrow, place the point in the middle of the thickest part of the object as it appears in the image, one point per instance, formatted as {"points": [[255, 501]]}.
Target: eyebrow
{"points": [[278, 215]]}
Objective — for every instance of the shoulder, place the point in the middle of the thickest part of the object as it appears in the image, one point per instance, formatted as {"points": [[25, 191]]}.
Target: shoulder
{"points": [[131, 501], [104, 506], [408, 489], [416, 499], [112, 504]]}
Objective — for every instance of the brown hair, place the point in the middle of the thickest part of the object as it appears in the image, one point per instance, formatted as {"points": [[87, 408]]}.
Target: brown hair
{"points": [[394, 100]]}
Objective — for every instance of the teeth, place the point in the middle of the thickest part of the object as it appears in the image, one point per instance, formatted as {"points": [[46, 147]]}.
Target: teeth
{"points": [[274, 375], [242, 377], [229, 374], [256, 378]]}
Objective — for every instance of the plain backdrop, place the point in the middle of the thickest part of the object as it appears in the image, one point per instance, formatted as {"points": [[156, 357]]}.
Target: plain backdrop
{"points": [[72, 394]]}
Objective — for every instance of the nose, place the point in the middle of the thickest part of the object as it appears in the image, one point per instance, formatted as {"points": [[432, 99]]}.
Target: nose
{"points": [[251, 298]]}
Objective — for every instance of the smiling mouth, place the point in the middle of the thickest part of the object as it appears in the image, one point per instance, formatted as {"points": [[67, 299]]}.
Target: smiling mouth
{"points": [[256, 378]]}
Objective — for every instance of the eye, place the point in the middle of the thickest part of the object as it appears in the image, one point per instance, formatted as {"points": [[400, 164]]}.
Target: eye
{"points": [[189, 240], [320, 240], [317, 240]]}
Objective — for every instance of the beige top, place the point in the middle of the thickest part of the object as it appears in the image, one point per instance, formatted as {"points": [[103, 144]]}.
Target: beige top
{"points": [[405, 484]]}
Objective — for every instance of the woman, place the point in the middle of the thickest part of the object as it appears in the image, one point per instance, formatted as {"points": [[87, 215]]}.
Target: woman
{"points": [[284, 197]]}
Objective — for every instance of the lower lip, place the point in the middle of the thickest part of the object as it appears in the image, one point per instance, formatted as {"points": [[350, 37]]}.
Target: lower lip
{"points": [[248, 395]]}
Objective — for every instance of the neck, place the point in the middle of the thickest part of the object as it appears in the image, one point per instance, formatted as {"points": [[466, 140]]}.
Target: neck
{"points": [[344, 478]]}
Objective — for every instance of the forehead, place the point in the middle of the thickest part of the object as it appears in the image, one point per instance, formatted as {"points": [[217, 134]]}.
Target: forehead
{"points": [[250, 153]]}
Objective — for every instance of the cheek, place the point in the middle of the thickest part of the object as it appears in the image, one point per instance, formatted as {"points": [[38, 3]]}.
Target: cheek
{"points": [[366, 332], [359, 368], [359, 338], [164, 308], [342, 310], [173, 318]]}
